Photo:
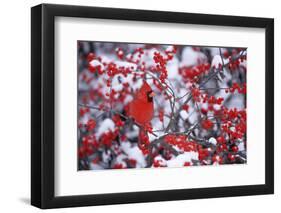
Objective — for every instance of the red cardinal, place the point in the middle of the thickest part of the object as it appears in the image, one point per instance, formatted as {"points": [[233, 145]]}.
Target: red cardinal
{"points": [[141, 108]]}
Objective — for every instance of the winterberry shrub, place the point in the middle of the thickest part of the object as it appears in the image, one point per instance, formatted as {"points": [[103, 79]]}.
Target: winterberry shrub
{"points": [[152, 105]]}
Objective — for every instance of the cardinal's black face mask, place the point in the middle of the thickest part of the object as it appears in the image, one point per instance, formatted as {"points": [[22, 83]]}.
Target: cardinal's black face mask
{"points": [[149, 97]]}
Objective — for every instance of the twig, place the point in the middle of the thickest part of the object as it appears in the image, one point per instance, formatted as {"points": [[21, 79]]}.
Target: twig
{"points": [[189, 95]]}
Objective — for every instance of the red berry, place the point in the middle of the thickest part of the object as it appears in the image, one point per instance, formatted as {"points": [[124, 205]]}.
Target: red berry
{"points": [[132, 162], [217, 158], [234, 148], [187, 164], [231, 157], [220, 139], [185, 107], [81, 152], [204, 111], [90, 57], [91, 124], [207, 124], [118, 166]]}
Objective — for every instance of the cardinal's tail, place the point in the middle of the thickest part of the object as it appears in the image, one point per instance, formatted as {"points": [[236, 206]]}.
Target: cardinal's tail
{"points": [[143, 140]]}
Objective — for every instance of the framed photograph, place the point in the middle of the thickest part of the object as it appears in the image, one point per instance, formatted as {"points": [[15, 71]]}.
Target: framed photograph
{"points": [[139, 106]]}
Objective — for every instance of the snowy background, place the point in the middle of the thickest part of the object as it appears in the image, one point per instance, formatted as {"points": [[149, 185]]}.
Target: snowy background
{"points": [[199, 107]]}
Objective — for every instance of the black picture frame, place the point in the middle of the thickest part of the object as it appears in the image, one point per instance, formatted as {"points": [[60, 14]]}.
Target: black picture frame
{"points": [[43, 105]]}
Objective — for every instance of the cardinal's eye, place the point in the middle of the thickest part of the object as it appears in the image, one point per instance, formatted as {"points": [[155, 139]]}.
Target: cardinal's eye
{"points": [[149, 97]]}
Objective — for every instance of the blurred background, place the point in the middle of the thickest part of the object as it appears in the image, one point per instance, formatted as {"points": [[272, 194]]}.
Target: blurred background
{"points": [[199, 113]]}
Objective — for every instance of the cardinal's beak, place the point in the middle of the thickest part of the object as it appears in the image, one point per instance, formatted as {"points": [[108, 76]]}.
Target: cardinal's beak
{"points": [[151, 95]]}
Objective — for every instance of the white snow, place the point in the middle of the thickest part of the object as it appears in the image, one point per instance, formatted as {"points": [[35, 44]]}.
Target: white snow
{"points": [[213, 141], [241, 146], [172, 68], [204, 106], [236, 101], [217, 61], [160, 160], [106, 156], [182, 158], [128, 99], [193, 117], [116, 84], [94, 166], [120, 159], [191, 57], [134, 152], [125, 64], [184, 114], [177, 161], [105, 126], [170, 48], [96, 63], [217, 107]]}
